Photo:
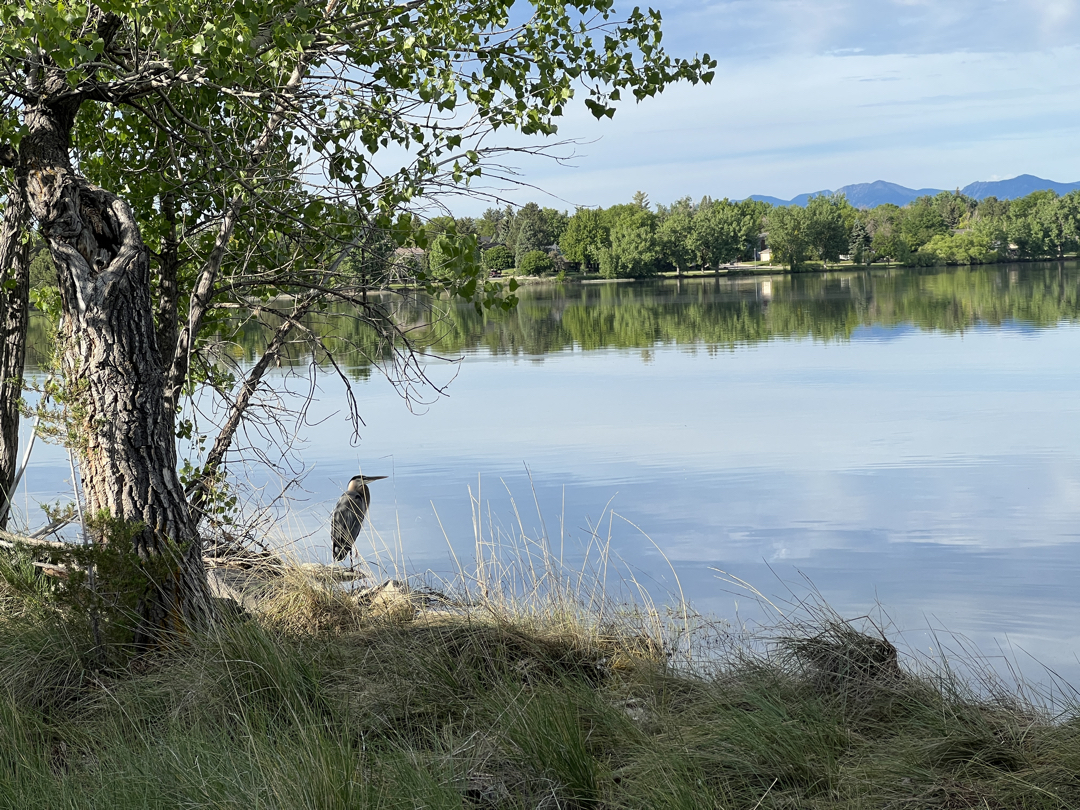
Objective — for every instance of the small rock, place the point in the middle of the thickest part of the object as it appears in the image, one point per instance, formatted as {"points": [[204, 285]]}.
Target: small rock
{"points": [[390, 600]]}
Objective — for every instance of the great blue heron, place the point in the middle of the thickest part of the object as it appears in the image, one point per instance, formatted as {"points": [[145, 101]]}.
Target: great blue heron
{"points": [[348, 515]]}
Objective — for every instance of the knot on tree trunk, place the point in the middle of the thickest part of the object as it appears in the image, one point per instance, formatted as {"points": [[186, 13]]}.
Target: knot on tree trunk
{"points": [[96, 246], [75, 213], [53, 196], [97, 242]]}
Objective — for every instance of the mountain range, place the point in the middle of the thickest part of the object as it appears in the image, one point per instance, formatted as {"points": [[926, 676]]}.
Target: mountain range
{"points": [[870, 195]]}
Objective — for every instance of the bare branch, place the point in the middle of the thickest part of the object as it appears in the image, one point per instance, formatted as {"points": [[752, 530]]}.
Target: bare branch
{"points": [[202, 294], [198, 491]]}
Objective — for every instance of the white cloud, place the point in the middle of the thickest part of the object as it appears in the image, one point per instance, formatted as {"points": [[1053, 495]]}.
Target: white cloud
{"points": [[802, 122], [764, 27]]}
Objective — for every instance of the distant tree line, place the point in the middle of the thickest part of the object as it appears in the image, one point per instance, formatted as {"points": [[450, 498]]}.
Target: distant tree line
{"points": [[623, 241], [525, 240], [633, 240], [951, 228], [948, 228]]}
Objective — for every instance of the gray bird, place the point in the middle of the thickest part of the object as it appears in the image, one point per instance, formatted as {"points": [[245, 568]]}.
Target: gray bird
{"points": [[349, 513]]}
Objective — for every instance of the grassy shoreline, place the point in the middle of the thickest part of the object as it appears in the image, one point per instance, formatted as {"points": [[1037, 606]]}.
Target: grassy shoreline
{"points": [[326, 700]]}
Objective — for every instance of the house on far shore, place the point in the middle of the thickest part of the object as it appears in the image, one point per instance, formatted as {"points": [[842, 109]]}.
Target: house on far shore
{"points": [[405, 255], [404, 264], [759, 248]]}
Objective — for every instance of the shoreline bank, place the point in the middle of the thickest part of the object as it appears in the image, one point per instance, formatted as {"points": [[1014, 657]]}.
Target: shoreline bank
{"points": [[324, 701]]}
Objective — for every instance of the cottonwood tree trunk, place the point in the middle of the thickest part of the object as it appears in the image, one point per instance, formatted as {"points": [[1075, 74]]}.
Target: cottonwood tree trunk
{"points": [[113, 371], [14, 318], [168, 291]]}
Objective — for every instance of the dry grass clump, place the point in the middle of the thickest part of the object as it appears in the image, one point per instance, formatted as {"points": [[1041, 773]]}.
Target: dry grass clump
{"points": [[300, 604]]}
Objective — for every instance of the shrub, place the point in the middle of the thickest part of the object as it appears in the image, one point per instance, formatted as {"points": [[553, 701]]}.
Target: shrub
{"points": [[969, 247], [498, 257], [535, 263]]}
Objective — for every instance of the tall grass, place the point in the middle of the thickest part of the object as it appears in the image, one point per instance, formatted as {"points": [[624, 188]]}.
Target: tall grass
{"points": [[520, 684]]}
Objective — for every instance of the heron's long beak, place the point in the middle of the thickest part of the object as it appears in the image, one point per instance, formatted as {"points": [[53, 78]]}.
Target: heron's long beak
{"points": [[373, 477]]}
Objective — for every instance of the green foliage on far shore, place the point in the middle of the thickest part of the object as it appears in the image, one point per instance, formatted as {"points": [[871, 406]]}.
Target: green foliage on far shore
{"points": [[534, 263], [498, 258], [632, 240]]}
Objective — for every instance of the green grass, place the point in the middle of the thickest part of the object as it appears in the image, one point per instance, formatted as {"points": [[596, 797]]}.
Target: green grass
{"points": [[566, 702]]}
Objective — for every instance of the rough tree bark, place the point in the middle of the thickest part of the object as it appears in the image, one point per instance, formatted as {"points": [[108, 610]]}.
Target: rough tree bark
{"points": [[168, 291], [14, 318], [113, 369]]}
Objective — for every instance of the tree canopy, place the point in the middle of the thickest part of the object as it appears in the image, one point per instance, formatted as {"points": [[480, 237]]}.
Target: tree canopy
{"points": [[949, 228], [188, 160]]}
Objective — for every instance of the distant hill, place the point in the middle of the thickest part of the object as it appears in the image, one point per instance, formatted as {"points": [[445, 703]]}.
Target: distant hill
{"points": [[1017, 187], [871, 195], [768, 199], [803, 199], [861, 195]]}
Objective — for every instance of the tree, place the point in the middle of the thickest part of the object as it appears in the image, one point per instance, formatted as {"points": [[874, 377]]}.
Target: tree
{"points": [[1059, 220], [440, 225], [859, 247], [826, 230], [717, 233], [586, 234], [498, 258], [920, 222], [502, 224], [787, 229], [751, 214], [489, 224], [1030, 222], [992, 207], [979, 244], [634, 250], [450, 255], [953, 207], [530, 231], [674, 235], [556, 222], [883, 227], [534, 263], [14, 320], [535, 228], [234, 110]]}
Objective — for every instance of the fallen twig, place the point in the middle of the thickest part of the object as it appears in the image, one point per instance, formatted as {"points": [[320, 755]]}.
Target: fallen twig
{"points": [[9, 540]]}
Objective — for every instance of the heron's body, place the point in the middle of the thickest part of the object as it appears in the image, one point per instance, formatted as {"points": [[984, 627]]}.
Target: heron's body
{"points": [[348, 516]]}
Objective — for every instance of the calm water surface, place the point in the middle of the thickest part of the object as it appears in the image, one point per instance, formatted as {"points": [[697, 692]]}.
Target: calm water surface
{"points": [[907, 439]]}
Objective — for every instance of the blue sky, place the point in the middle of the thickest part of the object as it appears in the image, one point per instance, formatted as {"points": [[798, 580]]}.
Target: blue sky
{"points": [[816, 94]]}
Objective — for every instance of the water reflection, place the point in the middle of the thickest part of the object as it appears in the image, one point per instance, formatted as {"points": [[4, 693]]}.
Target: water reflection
{"points": [[729, 312], [718, 313], [908, 437]]}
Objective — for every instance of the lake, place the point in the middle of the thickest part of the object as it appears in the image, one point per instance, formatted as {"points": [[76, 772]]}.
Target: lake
{"points": [[907, 439]]}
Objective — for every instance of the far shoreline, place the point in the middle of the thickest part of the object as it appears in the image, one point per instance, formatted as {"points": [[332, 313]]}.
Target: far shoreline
{"points": [[743, 270]]}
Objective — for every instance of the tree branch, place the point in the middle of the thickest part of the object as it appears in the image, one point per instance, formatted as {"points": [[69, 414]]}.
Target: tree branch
{"points": [[199, 491], [203, 293]]}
